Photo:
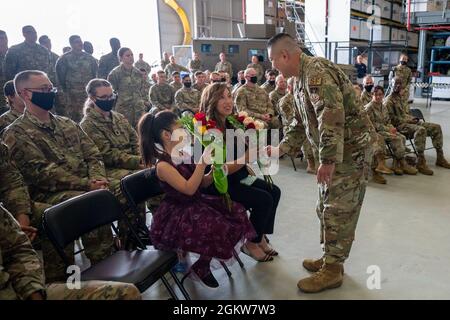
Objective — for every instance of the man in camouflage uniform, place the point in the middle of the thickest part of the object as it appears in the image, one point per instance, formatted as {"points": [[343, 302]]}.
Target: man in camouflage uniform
{"points": [[141, 64], [74, 70], [89, 48], [255, 101], [16, 106], [22, 276], [109, 61], [47, 43], [258, 68], [240, 83], [27, 56], [224, 65], [173, 67], [3, 50], [410, 126], [176, 81], [270, 83], [187, 98], [327, 105], [162, 95], [379, 117], [165, 60], [147, 84], [288, 113], [279, 92], [195, 64], [57, 160], [403, 72], [200, 82], [366, 95]]}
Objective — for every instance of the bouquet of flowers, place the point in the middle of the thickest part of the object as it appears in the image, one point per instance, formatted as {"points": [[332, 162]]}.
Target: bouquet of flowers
{"points": [[244, 122], [200, 128]]}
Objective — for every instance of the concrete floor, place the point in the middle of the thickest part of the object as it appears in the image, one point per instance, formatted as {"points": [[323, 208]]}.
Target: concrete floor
{"points": [[403, 230]]}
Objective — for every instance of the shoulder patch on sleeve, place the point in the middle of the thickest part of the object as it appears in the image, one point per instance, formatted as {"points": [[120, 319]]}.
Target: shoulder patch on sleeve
{"points": [[315, 81]]}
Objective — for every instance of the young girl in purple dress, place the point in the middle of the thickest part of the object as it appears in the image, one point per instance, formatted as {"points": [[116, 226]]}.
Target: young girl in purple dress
{"points": [[187, 219]]}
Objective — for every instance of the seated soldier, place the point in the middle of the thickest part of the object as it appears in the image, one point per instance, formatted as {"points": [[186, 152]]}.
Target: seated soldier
{"points": [[279, 92], [162, 95], [379, 117], [187, 98], [366, 95], [57, 160], [240, 83], [270, 83], [22, 276], [200, 81], [255, 101], [407, 125], [16, 106], [176, 81]]}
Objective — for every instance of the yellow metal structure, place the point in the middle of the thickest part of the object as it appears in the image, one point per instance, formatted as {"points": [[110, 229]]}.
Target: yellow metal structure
{"points": [[184, 21]]}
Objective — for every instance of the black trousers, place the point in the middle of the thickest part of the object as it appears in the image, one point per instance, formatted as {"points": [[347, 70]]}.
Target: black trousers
{"points": [[260, 199]]}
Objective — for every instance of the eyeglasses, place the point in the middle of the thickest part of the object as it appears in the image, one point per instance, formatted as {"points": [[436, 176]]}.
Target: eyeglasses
{"points": [[43, 89], [112, 96]]}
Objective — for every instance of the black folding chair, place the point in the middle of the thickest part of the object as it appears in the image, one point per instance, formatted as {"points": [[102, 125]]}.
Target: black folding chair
{"points": [[69, 220], [416, 113], [144, 185]]}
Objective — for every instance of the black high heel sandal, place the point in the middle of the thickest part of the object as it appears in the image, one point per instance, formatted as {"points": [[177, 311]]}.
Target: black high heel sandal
{"points": [[266, 258]]}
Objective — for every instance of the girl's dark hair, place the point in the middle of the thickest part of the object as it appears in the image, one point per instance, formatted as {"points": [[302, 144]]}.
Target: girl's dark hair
{"points": [[208, 103], [378, 88], [122, 51], [150, 128]]}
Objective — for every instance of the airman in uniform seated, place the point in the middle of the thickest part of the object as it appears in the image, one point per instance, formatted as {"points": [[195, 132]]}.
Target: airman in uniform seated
{"points": [[187, 98], [162, 95], [15, 104]]}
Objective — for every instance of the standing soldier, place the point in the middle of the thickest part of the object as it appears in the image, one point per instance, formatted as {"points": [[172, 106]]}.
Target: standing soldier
{"points": [[74, 70], [255, 101], [109, 61], [366, 95], [200, 81], [333, 120], [127, 81], [89, 48], [172, 67], [27, 56], [162, 95], [47, 43], [15, 104], [404, 73], [258, 67], [270, 83], [176, 81], [165, 60], [195, 64], [187, 98], [141, 64], [224, 66], [408, 125], [3, 50], [146, 89]]}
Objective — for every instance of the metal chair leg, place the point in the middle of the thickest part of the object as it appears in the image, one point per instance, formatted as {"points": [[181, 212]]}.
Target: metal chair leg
{"points": [[293, 163], [236, 256], [414, 147], [169, 288], [224, 266], [180, 286]]}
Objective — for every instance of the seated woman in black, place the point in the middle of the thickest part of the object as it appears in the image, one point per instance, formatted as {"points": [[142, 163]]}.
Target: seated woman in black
{"points": [[255, 194]]}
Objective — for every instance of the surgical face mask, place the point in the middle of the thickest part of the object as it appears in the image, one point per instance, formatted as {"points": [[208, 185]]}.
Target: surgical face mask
{"points": [[44, 100], [243, 81], [272, 82], [369, 87], [187, 84], [403, 63], [254, 80], [105, 105]]}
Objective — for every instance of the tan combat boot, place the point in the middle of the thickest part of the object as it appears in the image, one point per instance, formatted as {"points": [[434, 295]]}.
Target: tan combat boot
{"points": [[381, 165], [315, 265], [422, 166], [397, 168], [440, 161], [378, 178], [406, 168], [311, 166], [329, 277]]}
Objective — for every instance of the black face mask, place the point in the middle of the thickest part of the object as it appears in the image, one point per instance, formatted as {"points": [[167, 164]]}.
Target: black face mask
{"points": [[254, 80], [272, 82], [187, 84], [44, 100], [403, 63], [105, 105], [243, 81], [369, 88]]}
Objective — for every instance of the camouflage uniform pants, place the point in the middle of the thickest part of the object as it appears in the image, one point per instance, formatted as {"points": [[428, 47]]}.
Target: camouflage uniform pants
{"points": [[133, 112], [339, 206], [307, 150], [397, 143], [94, 290], [420, 132], [74, 103]]}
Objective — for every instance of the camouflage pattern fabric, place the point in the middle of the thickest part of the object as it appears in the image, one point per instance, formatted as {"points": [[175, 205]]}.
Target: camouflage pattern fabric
{"points": [[195, 65], [187, 99], [162, 97], [106, 64], [164, 63], [94, 290], [170, 68], [129, 85], [176, 86], [200, 88], [405, 74], [143, 65], [224, 67], [275, 97], [26, 56], [259, 71], [366, 97], [268, 87], [8, 117], [2, 73]]}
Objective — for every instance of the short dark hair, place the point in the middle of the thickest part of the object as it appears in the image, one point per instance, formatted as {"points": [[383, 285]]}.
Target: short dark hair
{"points": [[198, 73], [8, 89], [122, 51], [378, 88], [271, 73], [113, 42], [43, 39], [175, 73], [24, 76], [73, 38], [24, 29], [280, 36]]}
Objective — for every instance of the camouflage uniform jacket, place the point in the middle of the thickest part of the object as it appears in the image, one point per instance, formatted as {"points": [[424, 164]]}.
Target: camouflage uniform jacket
{"points": [[379, 116], [55, 156], [255, 101], [26, 56], [114, 137], [172, 68], [21, 273], [106, 64], [164, 63], [287, 109], [195, 65], [162, 96], [129, 85], [405, 74], [394, 105], [366, 97], [200, 88], [259, 70], [75, 70], [143, 65], [275, 97], [13, 191], [225, 67], [268, 87], [2, 72], [187, 99], [332, 117], [7, 118], [176, 86]]}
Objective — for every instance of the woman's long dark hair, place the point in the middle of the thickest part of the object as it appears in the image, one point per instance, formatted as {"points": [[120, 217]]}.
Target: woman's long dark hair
{"points": [[150, 128], [208, 103]]}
